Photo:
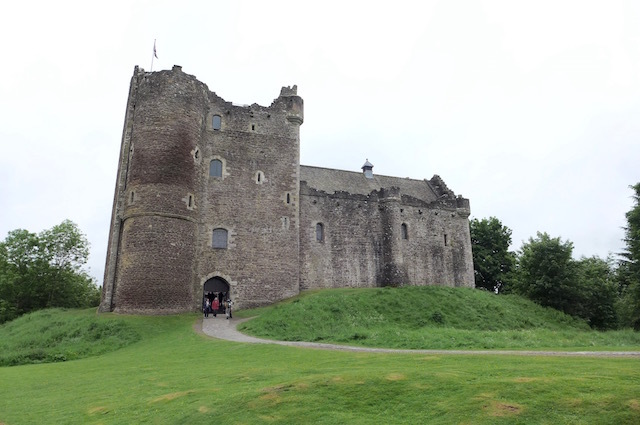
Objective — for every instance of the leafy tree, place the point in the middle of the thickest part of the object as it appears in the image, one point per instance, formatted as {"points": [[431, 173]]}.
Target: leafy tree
{"points": [[493, 264], [596, 288], [44, 270], [629, 268], [547, 273]]}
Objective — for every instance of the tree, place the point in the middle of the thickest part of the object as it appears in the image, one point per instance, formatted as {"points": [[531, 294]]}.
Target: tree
{"points": [[493, 264], [629, 267], [44, 270], [597, 292], [547, 274]]}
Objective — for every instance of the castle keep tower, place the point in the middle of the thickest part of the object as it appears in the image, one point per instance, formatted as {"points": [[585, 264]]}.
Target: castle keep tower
{"points": [[205, 190], [211, 199]]}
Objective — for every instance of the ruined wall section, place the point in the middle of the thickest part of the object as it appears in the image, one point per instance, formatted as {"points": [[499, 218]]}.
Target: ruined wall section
{"points": [[256, 199], [159, 219]]}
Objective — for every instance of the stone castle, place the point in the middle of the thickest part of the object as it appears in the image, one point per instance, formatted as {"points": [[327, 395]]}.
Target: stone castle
{"points": [[211, 197]]}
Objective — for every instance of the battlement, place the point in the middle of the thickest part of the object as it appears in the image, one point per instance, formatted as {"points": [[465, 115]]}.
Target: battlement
{"points": [[289, 91]]}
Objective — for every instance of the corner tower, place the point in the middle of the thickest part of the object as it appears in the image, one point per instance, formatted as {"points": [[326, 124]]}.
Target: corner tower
{"points": [[150, 256]]}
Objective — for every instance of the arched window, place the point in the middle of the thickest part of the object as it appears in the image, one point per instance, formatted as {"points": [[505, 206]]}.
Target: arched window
{"points": [[215, 168], [219, 238], [320, 232], [405, 233], [216, 122]]}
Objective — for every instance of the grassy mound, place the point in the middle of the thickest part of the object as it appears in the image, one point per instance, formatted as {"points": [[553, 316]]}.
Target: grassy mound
{"points": [[427, 317], [56, 335]]}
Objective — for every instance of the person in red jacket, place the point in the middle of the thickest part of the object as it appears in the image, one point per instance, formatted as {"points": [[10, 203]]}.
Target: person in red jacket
{"points": [[215, 305]]}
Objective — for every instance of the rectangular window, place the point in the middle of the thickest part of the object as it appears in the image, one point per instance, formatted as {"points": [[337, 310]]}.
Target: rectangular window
{"points": [[215, 168], [216, 122], [219, 238]]}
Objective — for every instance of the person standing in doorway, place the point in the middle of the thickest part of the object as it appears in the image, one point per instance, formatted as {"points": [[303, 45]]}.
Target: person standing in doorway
{"points": [[207, 307], [215, 306], [229, 302]]}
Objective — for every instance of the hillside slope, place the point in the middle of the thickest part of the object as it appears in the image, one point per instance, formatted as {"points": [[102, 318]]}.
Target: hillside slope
{"points": [[421, 317]]}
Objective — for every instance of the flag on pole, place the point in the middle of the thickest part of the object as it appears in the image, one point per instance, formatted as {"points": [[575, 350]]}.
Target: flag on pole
{"points": [[154, 49]]}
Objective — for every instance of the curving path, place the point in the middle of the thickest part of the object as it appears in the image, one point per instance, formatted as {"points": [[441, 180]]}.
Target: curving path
{"points": [[222, 328]]}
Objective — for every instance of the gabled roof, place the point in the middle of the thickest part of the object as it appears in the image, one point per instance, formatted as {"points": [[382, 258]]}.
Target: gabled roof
{"points": [[330, 181]]}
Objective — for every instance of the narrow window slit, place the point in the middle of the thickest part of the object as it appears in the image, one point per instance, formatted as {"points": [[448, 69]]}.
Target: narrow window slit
{"points": [[319, 232]]}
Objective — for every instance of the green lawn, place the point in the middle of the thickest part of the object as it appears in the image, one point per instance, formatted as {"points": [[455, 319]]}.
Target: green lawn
{"points": [[171, 374]]}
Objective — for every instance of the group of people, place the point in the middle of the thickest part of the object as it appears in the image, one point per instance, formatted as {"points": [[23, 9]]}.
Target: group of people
{"points": [[216, 303]]}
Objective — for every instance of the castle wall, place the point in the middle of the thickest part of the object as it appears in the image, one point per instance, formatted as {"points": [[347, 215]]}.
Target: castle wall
{"points": [[119, 199], [349, 253], [438, 246], [364, 247]]}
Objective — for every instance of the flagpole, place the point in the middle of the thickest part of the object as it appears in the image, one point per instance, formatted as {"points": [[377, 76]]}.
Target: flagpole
{"points": [[153, 53]]}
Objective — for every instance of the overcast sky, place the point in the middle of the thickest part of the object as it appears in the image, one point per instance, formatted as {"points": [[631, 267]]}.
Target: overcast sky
{"points": [[528, 108]]}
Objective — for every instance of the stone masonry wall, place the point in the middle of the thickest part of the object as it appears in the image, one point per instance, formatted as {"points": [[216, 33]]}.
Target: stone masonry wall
{"points": [[259, 148], [349, 254], [355, 250], [155, 257]]}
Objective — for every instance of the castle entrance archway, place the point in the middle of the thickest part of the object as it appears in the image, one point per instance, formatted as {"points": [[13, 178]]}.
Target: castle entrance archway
{"points": [[218, 289]]}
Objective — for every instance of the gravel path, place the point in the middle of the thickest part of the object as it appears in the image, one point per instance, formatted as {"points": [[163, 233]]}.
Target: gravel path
{"points": [[222, 328]]}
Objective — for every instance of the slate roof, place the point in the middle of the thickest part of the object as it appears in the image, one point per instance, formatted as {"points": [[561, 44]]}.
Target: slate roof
{"points": [[331, 181]]}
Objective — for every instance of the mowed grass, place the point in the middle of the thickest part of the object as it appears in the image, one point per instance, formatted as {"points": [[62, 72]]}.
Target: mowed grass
{"points": [[429, 317], [173, 375]]}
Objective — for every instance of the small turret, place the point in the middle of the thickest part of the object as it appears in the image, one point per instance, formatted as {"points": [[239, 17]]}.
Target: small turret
{"points": [[293, 103], [367, 169]]}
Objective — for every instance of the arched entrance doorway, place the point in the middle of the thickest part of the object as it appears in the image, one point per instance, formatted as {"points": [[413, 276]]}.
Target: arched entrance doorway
{"points": [[218, 289]]}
